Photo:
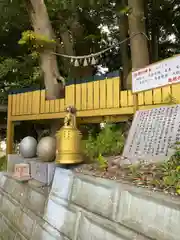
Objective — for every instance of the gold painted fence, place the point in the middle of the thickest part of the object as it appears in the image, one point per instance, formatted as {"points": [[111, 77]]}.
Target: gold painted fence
{"points": [[97, 98], [95, 101]]}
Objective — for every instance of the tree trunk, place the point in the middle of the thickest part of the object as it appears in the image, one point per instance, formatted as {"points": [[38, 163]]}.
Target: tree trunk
{"points": [[139, 43], [155, 44], [81, 48], [147, 14], [154, 33], [42, 25], [68, 39], [123, 29], [67, 42]]}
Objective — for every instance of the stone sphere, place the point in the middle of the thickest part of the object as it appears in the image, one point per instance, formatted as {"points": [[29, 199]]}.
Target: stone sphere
{"points": [[46, 149], [28, 147]]}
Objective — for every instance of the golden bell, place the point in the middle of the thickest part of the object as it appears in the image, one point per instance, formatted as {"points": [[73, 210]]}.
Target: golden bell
{"points": [[69, 142]]}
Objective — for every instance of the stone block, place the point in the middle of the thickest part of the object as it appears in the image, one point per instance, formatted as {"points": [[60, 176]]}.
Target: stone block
{"points": [[155, 216], [16, 159], [92, 227], [1, 197], [19, 236], [10, 210], [26, 223], [6, 233], [62, 183], [46, 232], [95, 195], [42, 171], [11, 185], [61, 218], [36, 184], [35, 201], [1, 174], [19, 191], [3, 179]]}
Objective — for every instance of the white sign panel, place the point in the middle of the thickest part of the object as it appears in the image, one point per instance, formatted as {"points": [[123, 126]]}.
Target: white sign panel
{"points": [[157, 75]]}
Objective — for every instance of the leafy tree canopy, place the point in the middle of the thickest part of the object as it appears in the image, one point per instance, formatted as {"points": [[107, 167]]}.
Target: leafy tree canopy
{"points": [[79, 29]]}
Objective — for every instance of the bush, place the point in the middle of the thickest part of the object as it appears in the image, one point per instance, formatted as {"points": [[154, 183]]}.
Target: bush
{"points": [[171, 171], [109, 142], [164, 176]]}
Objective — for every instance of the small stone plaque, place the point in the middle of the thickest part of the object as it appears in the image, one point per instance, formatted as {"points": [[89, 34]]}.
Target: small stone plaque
{"points": [[22, 172], [152, 133]]}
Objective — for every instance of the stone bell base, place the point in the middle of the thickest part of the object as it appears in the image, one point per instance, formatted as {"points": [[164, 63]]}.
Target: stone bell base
{"points": [[14, 159], [42, 172]]}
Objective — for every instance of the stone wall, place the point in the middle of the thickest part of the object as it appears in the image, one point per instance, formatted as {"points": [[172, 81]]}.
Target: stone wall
{"points": [[81, 207]]}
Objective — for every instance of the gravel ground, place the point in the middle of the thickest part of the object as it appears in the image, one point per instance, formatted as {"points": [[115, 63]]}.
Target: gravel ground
{"points": [[147, 176]]}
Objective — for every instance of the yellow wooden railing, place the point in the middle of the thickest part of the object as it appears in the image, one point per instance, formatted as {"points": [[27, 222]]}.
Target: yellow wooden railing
{"points": [[95, 98], [95, 101]]}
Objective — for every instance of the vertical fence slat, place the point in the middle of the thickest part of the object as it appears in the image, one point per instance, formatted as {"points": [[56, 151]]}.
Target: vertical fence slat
{"points": [[25, 103], [36, 102], [47, 106], [62, 105], [14, 101], [130, 98], [17, 104], [157, 96], [84, 96], [21, 103], [78, 95], [70, 94], [116, 91], [140, 98], [29, 102], [52, 106], [90, 93], [96, 94], [166, 92], [124, 98], [42, 101], [176, 92], [110, 92], [57, 105], [148, 97], [103, 94]]}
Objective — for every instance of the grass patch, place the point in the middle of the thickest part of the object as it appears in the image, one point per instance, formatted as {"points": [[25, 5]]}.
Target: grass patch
{"points": [[163, 176]]}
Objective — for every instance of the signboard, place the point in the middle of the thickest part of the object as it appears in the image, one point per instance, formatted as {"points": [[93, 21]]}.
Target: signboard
{"points": [[157, 75], [152, 133]]}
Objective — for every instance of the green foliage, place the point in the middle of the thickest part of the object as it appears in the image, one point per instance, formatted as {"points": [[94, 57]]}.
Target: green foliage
{"points": [[164, 176], [3, 163], [18, 73], [36, 41], [102, 162], [125, 10], [7, 65], [74, 4], [19, 68], [170, 100], [110, 141], [171, 170]]}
